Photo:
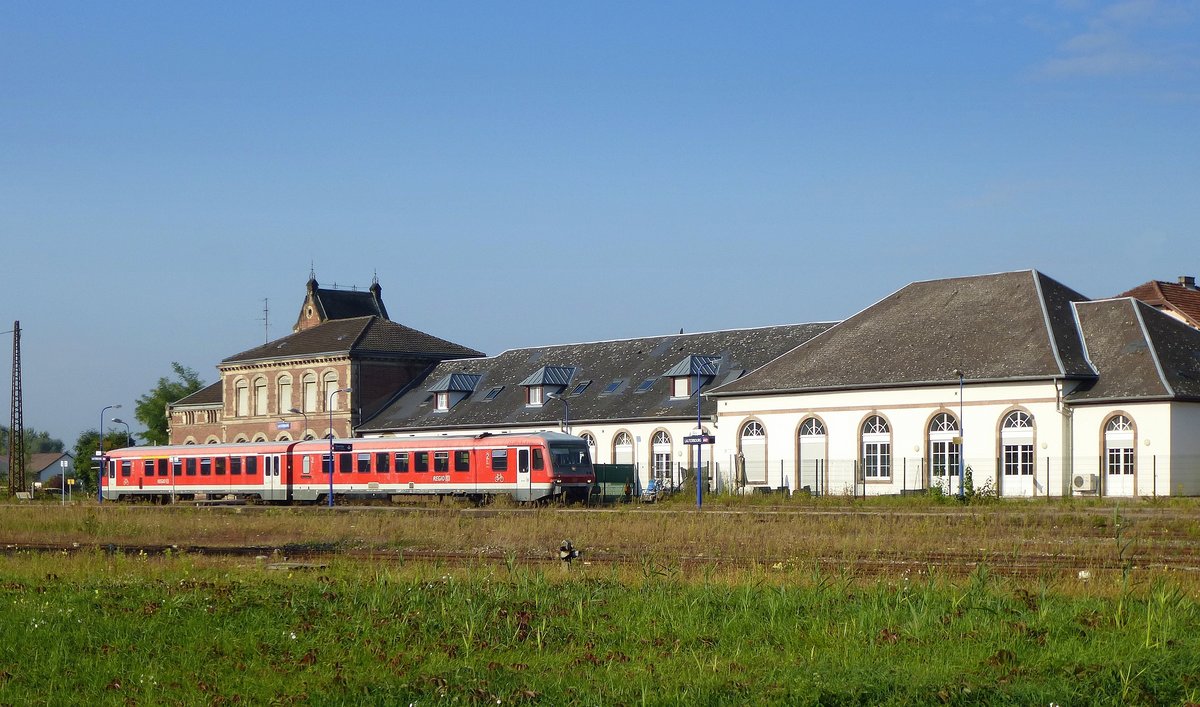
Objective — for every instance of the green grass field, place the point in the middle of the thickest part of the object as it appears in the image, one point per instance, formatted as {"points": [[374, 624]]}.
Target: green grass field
{"points": [[99, 629], [657, 615]]}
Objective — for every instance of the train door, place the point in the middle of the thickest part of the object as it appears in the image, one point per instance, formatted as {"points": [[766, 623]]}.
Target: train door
{"points": [[524, 478], [272, 481]]}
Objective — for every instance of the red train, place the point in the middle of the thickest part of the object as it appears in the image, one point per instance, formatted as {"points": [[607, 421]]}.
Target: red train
{"points": [[529, 467]]}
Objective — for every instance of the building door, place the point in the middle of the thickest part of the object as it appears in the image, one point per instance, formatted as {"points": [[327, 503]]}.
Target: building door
{"points": [[944, 454], [1016, 444], [810, 463], [1118, 457]]}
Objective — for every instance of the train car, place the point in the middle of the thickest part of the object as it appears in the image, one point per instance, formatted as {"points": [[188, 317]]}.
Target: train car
{"points": [[529, 467]]}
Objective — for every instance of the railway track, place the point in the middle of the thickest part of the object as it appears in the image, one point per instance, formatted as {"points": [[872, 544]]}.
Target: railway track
{"points": [[860, 564]]}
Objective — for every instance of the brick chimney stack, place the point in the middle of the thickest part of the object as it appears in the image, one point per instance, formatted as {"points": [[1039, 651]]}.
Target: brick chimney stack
{"points": [[1188, 281]]}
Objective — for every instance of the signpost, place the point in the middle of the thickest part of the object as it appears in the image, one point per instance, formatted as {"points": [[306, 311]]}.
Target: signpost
{"points": [[63, 463], [283, 425]]}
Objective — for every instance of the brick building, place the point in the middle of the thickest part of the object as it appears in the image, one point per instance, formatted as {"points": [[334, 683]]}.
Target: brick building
{"points": [[295, 387]]}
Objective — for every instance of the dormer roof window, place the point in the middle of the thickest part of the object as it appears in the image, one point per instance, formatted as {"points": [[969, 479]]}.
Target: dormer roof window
{"points": [[555, 378], [452, 389], [683, 374]]}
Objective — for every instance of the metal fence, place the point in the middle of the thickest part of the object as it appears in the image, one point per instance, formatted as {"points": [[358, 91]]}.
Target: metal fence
{"points": [[1146, 475]]}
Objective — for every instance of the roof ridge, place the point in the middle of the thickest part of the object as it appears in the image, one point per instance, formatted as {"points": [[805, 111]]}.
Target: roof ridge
{"points": [[1162, 375], [1041, 295]]}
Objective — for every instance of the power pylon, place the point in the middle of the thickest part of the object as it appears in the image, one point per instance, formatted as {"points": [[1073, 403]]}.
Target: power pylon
{"points": [[16, 427]]}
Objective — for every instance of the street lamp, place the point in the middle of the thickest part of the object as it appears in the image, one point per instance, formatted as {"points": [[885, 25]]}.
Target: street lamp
{"points": [[329, 407], [961, 427], [298, 411], [119, 421], [100, 474], [566, 423]]}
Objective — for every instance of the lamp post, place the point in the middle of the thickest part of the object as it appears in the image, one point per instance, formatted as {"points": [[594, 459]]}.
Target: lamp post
{"points": [[329, 407], [100, 474], [566, 423], [961, 427], [298, 411], [119, 421], [699, 447]]}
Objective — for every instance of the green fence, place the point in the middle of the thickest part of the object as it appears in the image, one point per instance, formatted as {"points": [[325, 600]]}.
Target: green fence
{"points": [[615, 482]]}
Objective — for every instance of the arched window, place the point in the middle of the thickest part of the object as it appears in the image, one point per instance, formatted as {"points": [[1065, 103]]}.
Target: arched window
{"points": [[285, 393], [753, 450], [310, 392], [623, 448], [329, 384], [260, 437], [1118, 446], [810, 463], [943, 452], [876, 448], [660, 451], [590, 439], [260, 396], [241, 396], [1016, 443]]}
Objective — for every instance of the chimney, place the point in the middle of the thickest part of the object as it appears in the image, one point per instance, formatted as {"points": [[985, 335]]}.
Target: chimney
{"points": [[1188, 281]]}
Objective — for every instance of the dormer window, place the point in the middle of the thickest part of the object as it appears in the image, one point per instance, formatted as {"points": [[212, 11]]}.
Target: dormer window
{"points": [[452, 390], [683, 375], [545, 381]]}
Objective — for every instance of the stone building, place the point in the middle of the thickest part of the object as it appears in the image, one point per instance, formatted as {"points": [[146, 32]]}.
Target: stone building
{"points": [[342, 362]]}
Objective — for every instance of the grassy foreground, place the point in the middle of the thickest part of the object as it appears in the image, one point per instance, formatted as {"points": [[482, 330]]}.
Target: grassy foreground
{"points": [[94, 628]]}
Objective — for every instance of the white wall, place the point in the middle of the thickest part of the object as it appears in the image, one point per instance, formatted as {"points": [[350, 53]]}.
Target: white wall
{"points": [[908, 412], [1185, 449]]}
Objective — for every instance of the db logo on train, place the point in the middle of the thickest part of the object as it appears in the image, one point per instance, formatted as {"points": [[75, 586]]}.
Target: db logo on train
{"points": [[499, 477]]}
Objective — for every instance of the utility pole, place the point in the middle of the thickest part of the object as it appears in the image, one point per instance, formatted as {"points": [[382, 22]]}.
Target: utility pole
{"points": [[16, 426]]}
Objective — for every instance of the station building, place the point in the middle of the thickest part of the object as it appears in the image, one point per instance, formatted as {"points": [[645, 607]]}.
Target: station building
{"points": [[1012, 382]]}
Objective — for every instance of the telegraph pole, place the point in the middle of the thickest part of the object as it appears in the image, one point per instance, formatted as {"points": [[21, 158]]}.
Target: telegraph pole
{"points": [[16, 426]]}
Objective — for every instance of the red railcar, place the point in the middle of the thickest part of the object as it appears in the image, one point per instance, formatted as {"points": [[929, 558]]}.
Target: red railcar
{"points": [[529, 467]]}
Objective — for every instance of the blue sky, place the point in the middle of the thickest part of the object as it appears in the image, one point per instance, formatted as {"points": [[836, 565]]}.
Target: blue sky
{"points": [[535, 173]]}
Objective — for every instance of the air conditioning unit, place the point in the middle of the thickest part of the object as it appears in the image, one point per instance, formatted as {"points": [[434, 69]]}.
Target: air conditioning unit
{"points": [[1085, 483]]}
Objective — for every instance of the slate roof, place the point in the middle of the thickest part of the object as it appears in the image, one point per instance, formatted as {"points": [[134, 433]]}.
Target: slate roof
{"points": [[1140, 353], [208, 395], [348, 304], [1171, 296], [358, 335], [1006, 326], [629, 360]]}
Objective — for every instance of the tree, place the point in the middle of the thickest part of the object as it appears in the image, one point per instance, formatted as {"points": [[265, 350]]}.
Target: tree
{"points": [[86, 446], [151, 408], [36, 442]]}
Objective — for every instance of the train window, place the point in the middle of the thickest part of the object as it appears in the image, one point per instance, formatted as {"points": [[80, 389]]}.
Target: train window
{"points": [[206, 466], [235, 466], [189, 466], [306, 465], [162, 467], [420, 461], [252, 466], [499, 460], [346, 462], [126, 467], [148, 467], [326, 464], [537, 459], [176, 468], [462, 460], [402, 461], [441, 461], [383, 462], [221, 466], [364, 462]]}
